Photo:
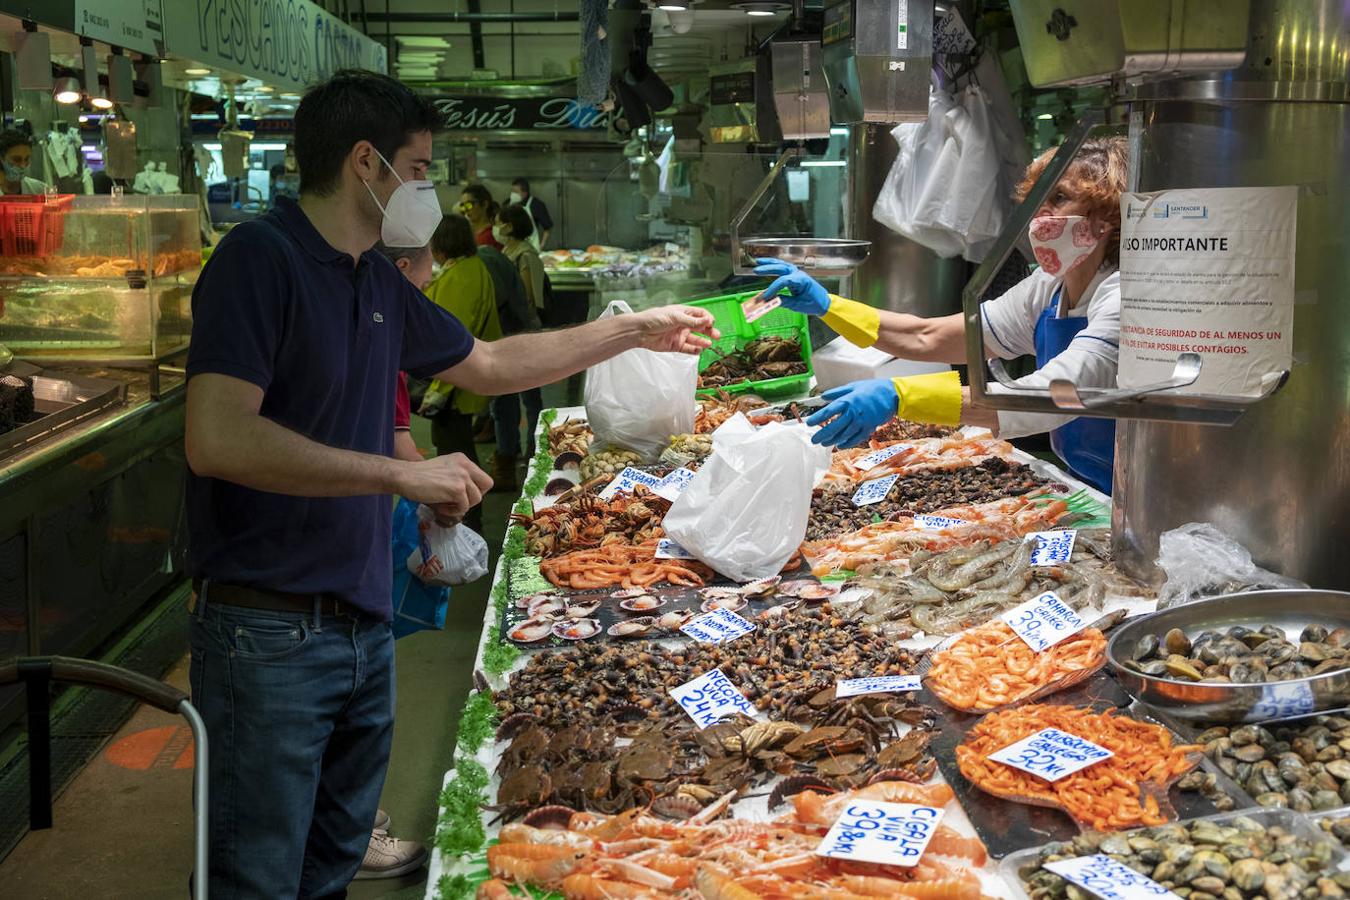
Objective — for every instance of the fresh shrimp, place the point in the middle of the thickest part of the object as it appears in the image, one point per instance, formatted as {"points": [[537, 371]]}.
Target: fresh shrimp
{"points": [[534, 863], [518, 833], [612, 828], [716, 884], [959, 888], [640, 873], [494, 889], [582, 886], [946, 842], [815, 809], [872, 885]]}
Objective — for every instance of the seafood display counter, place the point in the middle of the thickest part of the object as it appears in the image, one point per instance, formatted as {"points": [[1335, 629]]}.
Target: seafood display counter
{"points": [[643, 727]]}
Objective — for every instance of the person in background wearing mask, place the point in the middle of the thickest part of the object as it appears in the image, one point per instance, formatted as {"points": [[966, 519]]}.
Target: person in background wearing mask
{"points": [[543, 222], [299, 331], [513, 229], [1066, 313], [464, 288], [476, 205], [16, 154]]}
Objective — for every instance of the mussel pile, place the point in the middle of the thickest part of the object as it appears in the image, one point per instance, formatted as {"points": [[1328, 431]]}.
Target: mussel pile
{"points": [[759, 360], [833, 512], [1234, 859], [1242, 655], [1302, 766]]}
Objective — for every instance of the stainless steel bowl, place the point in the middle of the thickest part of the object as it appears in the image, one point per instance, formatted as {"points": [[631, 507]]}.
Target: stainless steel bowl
{"points": [[817, 256], [1291, 610]]}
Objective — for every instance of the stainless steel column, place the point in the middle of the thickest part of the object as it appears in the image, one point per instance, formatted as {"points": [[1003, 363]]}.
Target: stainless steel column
{"points": [[1279, 480], [899, 274]]}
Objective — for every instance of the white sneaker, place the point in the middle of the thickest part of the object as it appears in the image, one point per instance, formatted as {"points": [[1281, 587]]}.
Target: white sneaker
{"points": [[381, 821], [389, 857]]}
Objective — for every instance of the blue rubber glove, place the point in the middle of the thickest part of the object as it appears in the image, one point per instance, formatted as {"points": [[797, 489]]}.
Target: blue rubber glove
{"points": [[856, 410], [799, 291]]}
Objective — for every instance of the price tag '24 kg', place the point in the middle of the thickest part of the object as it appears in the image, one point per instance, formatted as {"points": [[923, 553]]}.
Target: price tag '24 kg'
{"points": [[889, 833]]}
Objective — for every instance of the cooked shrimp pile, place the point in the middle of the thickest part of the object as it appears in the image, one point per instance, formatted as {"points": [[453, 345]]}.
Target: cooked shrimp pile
{"points": [[924, 454], [632, 855], [990, 667], [1106, 795]]}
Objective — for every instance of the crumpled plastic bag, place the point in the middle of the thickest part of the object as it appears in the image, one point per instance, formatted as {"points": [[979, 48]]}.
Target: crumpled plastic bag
{"points": [[1201, 561], [745, 511], [639, 398], [453, 555]]}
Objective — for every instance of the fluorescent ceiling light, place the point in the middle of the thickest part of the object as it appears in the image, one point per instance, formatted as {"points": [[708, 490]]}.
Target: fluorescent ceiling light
{"points": [[264, 89], [100, 103], [196, 71], [422, 40], [267, 146], [66, 90], [1045, 116], [210, 146], [843, 131], [823, 163], [673, 5]]}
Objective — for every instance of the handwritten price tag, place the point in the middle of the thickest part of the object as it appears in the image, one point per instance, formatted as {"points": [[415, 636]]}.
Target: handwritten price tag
{"points": [[873, 491], [1282, 701], [711, 697], [881, 684], [626, 480], [668, 549], [937, 523], [759, 306], [673, 485], [1044, 621], [877, 457], [1051, 754], [890, 833], [1052, 547], [1109, 879], [717, 627]]}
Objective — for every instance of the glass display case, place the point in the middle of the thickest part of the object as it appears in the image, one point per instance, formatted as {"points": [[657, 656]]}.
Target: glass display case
{"points": [[115, 289]]}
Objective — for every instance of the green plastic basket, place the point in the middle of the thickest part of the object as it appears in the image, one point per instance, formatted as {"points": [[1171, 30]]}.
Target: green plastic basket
{"points": [[736, 333]]}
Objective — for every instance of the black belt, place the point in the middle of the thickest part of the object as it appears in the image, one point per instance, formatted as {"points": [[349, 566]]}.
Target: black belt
{"points": [[277, 601]]}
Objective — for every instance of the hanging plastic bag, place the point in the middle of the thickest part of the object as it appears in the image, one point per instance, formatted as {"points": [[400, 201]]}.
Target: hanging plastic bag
{"points": [[417, 606], [638, 399], [447, 555], [745, 511], [1201, 561]]}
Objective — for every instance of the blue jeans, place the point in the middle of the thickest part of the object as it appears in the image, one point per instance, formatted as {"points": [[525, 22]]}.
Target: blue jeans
{"points": [[299, 712], [506, 419]]}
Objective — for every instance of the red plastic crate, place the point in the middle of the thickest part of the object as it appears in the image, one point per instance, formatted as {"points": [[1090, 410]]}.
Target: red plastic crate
{"points": [[33, 224]]}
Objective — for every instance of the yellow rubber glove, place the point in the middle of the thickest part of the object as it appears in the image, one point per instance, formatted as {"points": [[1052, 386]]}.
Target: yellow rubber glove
{"points": [[856, 322], [934, 399]]}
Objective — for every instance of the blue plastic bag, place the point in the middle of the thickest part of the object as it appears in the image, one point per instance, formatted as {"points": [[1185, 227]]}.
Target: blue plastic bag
{"points": [[417, 606]]}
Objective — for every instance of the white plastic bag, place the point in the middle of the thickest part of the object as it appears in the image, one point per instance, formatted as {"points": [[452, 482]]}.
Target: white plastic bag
{"points": [[454, 555], [1201, 561], [745, 511], [638, 399]]}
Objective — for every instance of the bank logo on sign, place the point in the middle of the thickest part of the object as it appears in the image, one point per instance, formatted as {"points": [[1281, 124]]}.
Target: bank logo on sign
{"points": [[1168, 211]]}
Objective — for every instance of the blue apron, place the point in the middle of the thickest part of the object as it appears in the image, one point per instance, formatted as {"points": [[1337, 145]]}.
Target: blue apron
{"points": [[1087, 445]]}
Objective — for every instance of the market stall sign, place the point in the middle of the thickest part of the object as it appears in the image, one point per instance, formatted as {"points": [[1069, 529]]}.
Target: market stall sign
{"points": [[710, 698], [628, 479], [475, 113], [937, 523], [717, 627], [130, 24], [673, 485], [874, 491], [889, 833], [872, 460], [668, 549], [1051, 754], [1053, 548], [283, 43], [1109, 879], [1044, 621], [881, 684]]}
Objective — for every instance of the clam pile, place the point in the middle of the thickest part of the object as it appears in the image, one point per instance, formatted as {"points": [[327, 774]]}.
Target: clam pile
{"points": [[1338, 827], [1303, 766], [1242, 655], [1234, 859]]}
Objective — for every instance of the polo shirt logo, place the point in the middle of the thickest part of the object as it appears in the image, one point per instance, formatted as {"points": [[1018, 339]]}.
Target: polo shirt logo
{"points": [[379, 318]]}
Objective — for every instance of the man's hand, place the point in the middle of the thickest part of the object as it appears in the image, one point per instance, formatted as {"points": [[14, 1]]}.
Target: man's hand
{"points": [[677, 329], [451, 485]]}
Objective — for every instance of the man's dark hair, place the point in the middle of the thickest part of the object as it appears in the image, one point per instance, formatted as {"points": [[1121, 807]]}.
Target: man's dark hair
{"points": [[519, 220], [453, 238], [11, 138], [522, 183], [355, 105]]}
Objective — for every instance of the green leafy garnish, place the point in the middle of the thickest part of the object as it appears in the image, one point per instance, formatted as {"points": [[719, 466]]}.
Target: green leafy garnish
{"points": [[455, 887], [476, 723], [498, 655]]}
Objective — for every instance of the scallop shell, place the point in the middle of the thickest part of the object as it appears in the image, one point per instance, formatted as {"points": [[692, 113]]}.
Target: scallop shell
{"points": [[632, 628], [731, 604], [578, 630], [764, 587], [567, 460], [525, 601], [581, 608], [644, 603], [813, 593], [800, 587], [715, 593], [530, 631], [546, 606], [628, 593], [673, 620], [558, 486]]}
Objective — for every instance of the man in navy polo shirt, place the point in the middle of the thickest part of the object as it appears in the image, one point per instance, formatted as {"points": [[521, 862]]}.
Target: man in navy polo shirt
{"points": [[299, 331]]}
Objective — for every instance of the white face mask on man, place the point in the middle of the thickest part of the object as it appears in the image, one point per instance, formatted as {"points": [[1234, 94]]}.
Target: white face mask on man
{"points": [[1062, 242], [499, 234], [517, 197], [411, 214]]}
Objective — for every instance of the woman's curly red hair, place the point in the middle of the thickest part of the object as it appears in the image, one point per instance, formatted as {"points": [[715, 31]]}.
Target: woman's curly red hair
{"points": [[1098, 176]]}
